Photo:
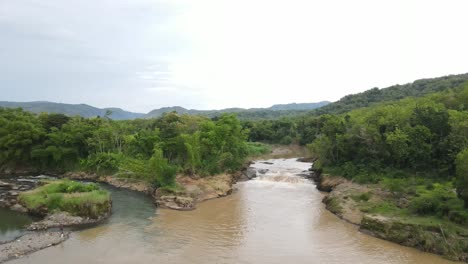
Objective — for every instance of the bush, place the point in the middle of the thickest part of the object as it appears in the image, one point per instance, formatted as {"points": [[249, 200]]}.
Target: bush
{"points": [[439, 200], [366, 177], [349, 170], [286, 140], [462, 176], [459, 217], [103, 162], [425, 205], [401, 187]]}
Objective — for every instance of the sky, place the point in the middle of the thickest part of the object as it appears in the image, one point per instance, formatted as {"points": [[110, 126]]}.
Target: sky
{"points": [[211, 54]]}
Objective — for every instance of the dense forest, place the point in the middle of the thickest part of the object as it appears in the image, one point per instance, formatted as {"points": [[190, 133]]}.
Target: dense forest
{"points": [[153, 149], [416, 145]]}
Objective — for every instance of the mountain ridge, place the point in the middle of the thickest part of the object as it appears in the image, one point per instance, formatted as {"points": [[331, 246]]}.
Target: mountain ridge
{"points": [[89, 111]]}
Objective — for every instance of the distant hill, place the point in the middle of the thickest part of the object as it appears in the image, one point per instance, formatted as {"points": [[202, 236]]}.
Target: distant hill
{"points": [[417, 88], [274, 111], [71, 109], [294, 106], [87, 111]]}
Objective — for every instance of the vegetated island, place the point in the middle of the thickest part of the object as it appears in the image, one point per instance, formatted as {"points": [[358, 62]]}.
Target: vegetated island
{"points": [[60, 203]]}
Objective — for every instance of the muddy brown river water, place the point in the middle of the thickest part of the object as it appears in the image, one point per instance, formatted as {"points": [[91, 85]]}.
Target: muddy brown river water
{"points": [[276, 218]]}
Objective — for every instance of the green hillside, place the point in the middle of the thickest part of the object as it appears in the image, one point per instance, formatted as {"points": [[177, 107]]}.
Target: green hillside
{"points": [[370, 97], [83, 110]]}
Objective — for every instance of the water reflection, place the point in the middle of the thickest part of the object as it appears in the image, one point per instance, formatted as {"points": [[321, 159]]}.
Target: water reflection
{"points": [[12, 224]]}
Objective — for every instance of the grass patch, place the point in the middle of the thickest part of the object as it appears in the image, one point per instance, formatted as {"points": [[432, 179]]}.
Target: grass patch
{"points": [[387, 208], [172, 189], [80, 199], [363, 197], [333, 205], [257, 148]]}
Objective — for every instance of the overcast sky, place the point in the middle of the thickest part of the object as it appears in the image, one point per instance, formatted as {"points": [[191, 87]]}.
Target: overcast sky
{"points": [[202, 54]]}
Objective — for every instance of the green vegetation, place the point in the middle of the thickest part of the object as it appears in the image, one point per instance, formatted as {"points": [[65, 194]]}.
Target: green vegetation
{"points": [[374, 96], [153, 150], [424, 233], [412, 148], [304, 127], [83, 110], [80, 199], [462, 175], [362, 197], [87, 111], [257, 148], [333, 205], [410, 141]]}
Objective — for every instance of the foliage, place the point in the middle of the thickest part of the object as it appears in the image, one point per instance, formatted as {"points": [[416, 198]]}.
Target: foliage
{"points": [[416, 148], [462, 175], [373, 96], [104, 162], [438, 199], [86, 200], [152, 149], [257, 148]]}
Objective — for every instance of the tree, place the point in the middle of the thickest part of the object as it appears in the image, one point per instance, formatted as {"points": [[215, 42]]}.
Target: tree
{"points": [[53, 120], [19, 132], [193, 147], [462, 176], [397, 142]]}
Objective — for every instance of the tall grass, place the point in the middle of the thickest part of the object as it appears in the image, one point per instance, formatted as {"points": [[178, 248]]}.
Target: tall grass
{"points": [[257, 148], [80, 199]]}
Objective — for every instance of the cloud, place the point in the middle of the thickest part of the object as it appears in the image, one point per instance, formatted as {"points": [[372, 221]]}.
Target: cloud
{"points": [[142, 54]]}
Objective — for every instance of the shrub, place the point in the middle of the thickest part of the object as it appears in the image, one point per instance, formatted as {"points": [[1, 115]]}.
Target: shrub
{"points": [[366, 177], [286, 140], [103, 162], [459, 217], [462, 176], [439, 200], [427, 204]]}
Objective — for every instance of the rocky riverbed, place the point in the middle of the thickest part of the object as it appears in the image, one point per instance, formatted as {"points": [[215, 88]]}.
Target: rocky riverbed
{"points": [[10, 190], [29, 243]]}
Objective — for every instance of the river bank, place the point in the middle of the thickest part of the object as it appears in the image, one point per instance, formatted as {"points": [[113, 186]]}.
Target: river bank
{"points": [[364, 206], [190, 190], [29, 243]]}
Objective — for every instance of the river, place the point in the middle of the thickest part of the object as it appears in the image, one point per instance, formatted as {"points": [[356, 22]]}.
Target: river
{"points": [[276, 218]]}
